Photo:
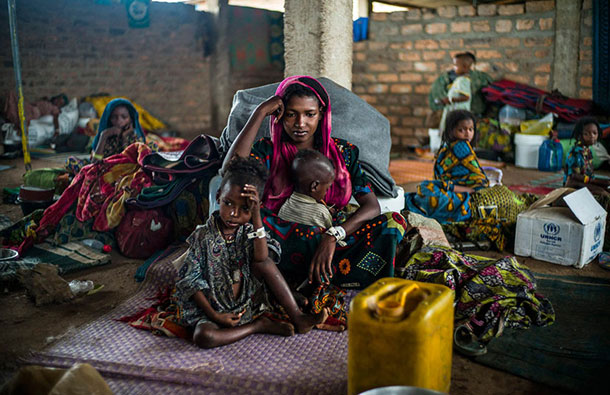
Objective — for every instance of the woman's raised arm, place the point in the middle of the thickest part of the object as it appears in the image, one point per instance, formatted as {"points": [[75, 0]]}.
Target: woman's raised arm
{"points": [[243, 143]]}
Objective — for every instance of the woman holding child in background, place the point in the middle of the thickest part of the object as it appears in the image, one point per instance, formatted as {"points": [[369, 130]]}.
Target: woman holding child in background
{"points": [[301, 119]]}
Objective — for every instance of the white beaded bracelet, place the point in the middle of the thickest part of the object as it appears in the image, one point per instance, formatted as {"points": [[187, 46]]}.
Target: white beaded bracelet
{"points": [[259, 233]]}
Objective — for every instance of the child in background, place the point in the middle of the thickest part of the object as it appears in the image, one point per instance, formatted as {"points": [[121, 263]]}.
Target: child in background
{"points": [[459, 91], [579, 163], [457, 173], [313, 173], [230, 263]]}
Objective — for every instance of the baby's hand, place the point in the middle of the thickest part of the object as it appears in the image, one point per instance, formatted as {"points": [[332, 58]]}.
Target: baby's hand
{"points": [[251, 194], [229, 320]]}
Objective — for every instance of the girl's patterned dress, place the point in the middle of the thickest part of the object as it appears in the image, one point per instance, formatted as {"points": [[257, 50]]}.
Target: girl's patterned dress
{"points": [[579, 161], [456, 164], [212, 266]]}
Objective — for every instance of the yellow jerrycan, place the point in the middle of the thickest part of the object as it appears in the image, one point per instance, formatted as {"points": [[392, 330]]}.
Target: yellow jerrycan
{"points": [[400, 332]]}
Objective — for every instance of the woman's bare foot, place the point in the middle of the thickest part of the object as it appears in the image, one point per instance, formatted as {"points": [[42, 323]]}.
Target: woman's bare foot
{"points": [[305, 322], [275, 327]]}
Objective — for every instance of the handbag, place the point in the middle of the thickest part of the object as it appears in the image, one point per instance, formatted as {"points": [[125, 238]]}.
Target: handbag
{"points": [[200, 155], [142, 232]]}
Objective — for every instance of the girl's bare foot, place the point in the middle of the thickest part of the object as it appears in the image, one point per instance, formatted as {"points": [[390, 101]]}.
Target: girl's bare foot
{"points": [[301, 300], [305, 322], [275, 327]]}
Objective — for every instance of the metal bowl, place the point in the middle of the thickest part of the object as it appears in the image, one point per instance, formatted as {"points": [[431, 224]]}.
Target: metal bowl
{"points": [[400, 390], [7, 254]]}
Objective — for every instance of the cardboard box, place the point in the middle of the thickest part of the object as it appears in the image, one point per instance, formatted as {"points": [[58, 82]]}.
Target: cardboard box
{"points": [[570, 232]]}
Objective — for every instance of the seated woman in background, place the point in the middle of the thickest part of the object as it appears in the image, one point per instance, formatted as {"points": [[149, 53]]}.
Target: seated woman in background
{"points": [[119, 127], [301, 119], [457, 173]]}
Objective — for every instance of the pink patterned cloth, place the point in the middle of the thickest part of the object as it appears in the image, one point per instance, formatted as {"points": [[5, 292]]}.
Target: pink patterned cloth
{"points": [[99, 191]]}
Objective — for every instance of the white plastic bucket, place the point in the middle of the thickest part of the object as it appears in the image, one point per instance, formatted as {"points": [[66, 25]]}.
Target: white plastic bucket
{"points": [[526, 150], [435, 139]]}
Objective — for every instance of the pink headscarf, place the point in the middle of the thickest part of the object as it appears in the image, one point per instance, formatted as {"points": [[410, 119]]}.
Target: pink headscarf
{"points": [[279, 187]]}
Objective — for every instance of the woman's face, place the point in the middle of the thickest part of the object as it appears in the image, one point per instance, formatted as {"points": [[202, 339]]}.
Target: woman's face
{"points": [[300, 120], [464, 130], [589, 134], [120, 117]]}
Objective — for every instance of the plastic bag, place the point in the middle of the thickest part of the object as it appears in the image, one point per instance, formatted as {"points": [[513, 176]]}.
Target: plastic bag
{"points": [[511, 115], [540, 126]]}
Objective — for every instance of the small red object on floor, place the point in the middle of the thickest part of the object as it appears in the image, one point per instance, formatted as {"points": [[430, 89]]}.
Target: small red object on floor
{"points": [[107, 248]]}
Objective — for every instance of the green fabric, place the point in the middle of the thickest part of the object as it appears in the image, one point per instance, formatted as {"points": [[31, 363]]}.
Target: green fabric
{"points": [[478, 80], [490, 294], [42, 178]]}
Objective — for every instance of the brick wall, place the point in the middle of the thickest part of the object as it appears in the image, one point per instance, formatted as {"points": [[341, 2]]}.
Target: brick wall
{"points": [[81, 47], [406, 52]]}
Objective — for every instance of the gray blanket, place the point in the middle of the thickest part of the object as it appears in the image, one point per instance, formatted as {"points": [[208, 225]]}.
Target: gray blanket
{"points": [[353, 119]]}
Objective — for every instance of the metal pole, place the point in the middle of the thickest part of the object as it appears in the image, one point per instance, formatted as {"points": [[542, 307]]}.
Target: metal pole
{"points": [[12, 18]]}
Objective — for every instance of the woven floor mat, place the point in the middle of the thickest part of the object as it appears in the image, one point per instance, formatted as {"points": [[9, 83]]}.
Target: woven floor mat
{"points": [[406, 170], [312, 363]]}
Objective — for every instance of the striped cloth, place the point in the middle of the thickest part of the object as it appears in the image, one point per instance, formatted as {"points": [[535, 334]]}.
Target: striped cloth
{"points": [[305, 210]]}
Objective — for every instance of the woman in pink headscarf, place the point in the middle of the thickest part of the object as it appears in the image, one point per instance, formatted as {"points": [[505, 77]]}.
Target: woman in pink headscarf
{"points": [[301, 119]]}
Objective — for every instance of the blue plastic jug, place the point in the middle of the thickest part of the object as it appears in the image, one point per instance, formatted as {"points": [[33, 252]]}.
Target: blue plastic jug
{"points": [[550, 155]]}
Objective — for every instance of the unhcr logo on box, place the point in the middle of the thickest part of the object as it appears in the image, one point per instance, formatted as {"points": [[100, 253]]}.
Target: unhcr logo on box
{"points": [[551, 228], [550, 231], [598, 231]]}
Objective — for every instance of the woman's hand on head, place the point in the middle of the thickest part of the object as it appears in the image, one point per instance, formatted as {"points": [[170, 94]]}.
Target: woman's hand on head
{"points": [[273, 106], [320, 269]]}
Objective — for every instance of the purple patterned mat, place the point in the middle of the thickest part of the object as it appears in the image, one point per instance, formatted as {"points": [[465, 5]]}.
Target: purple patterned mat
{"points": [[135, 361]]}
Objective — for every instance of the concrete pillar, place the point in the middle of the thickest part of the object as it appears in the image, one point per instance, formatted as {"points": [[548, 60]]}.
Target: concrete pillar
{"points": [[220, 67], [318, 39], [567, 36]]}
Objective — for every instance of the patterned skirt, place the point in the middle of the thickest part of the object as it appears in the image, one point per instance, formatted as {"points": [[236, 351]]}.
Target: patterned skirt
{"points": [[433, 201], [368, 255]]}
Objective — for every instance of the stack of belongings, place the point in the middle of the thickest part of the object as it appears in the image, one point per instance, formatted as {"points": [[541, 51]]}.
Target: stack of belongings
{"points": [[524, 96]]}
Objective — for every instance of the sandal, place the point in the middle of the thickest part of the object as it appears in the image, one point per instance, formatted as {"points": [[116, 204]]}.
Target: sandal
{"points": [[466, 343]]}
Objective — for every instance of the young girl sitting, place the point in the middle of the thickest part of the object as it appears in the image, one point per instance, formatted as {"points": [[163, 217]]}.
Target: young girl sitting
{"points": [[579, 163], [230, 263], [457, 173]]}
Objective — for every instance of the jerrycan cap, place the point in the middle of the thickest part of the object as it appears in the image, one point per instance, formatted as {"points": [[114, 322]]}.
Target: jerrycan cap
{"points": [[393, 304]]}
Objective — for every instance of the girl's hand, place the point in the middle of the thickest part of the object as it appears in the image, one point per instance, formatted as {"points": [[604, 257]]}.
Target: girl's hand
{"points": [[228, 320], [251, 194], [461, 188], [273, 106], [320, 269]]}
